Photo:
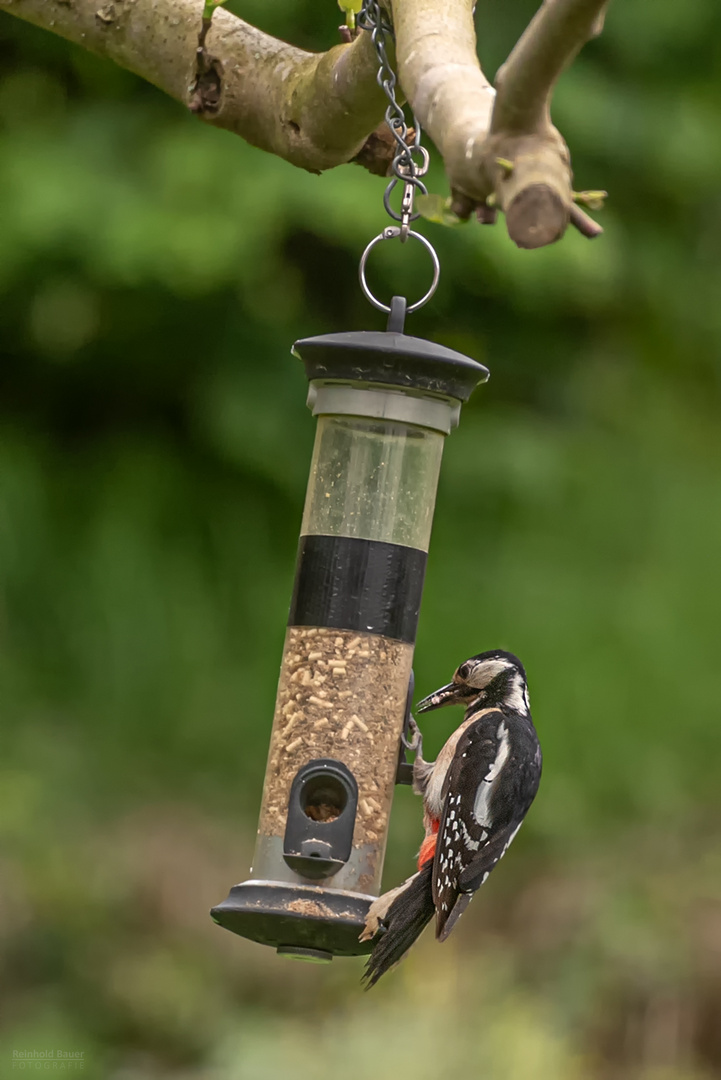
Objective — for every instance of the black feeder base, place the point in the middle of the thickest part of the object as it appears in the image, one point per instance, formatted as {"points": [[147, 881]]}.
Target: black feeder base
{"points": [[304, 921]]}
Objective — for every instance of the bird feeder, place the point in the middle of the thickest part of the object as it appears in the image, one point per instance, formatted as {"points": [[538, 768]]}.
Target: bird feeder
{"points": [[385, 403]]}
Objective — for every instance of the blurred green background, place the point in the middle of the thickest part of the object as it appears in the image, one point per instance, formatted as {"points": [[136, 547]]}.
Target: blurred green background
{"points": [[154, 444]]}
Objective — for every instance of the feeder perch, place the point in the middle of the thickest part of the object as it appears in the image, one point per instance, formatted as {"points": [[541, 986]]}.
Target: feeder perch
{"points": [[385, 402]]}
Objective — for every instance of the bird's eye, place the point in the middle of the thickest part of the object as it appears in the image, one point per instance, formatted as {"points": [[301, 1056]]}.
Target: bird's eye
{"points": [[464, 671]]}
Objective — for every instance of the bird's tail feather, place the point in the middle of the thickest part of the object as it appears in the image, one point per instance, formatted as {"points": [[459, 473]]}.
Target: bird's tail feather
{"points": [[444, 926], [411, 910]]}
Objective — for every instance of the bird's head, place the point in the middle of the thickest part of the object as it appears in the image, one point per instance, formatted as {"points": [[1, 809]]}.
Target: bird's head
{"points": [[491, 678]]}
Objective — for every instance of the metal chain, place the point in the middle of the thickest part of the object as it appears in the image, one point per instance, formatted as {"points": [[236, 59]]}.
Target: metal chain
{"points": [[405, 168]]}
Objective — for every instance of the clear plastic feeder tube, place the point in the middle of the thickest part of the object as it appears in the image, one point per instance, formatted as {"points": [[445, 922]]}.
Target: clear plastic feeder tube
{"points": [[373, 479], [349, 647]]}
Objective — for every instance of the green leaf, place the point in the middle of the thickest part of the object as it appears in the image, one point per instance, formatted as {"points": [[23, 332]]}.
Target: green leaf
{"points": [[505, 164], [351, 9], [436, 208], [594, 200]]}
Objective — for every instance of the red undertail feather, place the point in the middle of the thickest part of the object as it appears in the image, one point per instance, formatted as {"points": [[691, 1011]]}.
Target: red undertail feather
{"points": [[428, 847]]}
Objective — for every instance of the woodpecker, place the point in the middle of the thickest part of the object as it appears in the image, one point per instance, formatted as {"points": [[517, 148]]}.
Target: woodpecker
{"points": [[475, 797]]}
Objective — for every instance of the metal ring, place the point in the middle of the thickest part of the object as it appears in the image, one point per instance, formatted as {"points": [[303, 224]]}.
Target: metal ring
{"points": [[390, 233]]}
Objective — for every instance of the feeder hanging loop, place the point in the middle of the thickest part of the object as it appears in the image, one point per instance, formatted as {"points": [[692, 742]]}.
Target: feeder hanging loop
{"points": [[389, 233], [405, 168]]}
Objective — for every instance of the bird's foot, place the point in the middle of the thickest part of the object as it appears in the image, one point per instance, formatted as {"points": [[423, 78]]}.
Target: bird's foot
{"points": [[371, 928], [415, 742], [378, 910], [377, 913]]}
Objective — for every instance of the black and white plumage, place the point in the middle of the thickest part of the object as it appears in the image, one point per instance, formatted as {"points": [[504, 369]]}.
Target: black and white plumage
{"points": [[475, 797]]}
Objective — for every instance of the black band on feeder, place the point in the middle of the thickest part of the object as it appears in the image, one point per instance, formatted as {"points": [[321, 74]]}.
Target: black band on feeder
{"points": [[369, 586]]}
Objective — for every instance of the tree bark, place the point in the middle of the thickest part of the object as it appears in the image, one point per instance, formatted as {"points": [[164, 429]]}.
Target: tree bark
{"points": [[319, 110], [313, 109]]}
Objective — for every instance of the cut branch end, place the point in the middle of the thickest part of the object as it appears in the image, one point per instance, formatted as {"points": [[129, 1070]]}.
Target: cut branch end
{"points": [[537, 216]]}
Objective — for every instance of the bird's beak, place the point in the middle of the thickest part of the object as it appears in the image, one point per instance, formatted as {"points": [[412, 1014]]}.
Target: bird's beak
{"points": [[447, 695]]}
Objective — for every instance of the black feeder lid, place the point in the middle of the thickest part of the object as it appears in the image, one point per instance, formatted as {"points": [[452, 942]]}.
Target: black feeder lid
{"points": [[391, 359]]}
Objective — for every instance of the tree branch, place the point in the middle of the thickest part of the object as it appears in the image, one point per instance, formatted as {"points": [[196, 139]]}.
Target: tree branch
{"points": [[525, 83], [313, 109], [537, 196], [585, 224], [441, 77], [500, 150], [506, 148]]}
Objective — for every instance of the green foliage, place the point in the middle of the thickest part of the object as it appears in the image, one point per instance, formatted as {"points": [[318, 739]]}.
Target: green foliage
{"points": [[210, 6], [154, 444], [436, 208], [350, 8], [594, 200]]}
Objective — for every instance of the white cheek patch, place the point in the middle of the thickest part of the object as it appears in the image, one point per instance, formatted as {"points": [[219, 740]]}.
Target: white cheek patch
{"points": [[486, 672], [482, 805]]}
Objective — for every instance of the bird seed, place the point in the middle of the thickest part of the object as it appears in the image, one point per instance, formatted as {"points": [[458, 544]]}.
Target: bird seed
{"points": [[359, 725]]}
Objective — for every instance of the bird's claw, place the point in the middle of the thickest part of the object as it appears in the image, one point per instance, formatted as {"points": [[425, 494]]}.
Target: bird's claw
{"points": [[371, 928], [415, 742]]}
